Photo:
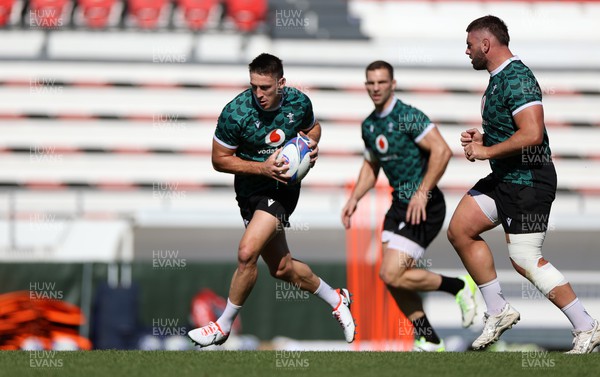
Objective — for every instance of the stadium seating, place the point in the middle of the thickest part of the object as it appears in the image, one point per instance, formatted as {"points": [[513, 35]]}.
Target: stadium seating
{"points": [[47, 14], [118, 132], [283, 19], [96, 12], [196, 12], [146, 13], [246, 14], [314, 19], [6, 7]]}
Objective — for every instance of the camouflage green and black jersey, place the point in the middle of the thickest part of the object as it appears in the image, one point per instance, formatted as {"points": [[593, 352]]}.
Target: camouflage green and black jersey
{"points": [[255, 133], [391, 139], [512, 88]]}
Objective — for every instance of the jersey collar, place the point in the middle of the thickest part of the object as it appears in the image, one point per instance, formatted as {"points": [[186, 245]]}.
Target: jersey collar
{"points": [[503, 65], [388, 109]]}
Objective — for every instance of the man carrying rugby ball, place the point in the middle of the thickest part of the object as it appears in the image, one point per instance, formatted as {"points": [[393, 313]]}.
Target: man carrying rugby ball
{"points": [[250, 132]]}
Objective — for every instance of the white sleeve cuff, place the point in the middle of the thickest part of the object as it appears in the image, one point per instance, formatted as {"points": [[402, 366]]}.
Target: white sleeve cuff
{"points": [[224, 143], [521, 108], [425, 132]]}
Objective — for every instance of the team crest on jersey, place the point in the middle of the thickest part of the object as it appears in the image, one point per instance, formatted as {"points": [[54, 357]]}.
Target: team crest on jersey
{"points": [[381, 143], [290, 116], [275, 138]]}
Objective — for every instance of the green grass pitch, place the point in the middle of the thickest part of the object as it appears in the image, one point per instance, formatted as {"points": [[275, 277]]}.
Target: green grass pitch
{"points": [[295, 363]]}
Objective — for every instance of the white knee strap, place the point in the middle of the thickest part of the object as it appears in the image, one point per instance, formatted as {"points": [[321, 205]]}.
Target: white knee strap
{"points": [[526, 250]]}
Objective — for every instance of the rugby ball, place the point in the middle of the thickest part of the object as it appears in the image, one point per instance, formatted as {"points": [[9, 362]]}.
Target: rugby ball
{"points": [[295, 154]]}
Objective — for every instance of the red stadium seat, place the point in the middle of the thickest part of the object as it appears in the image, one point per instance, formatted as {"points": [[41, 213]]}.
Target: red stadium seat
{"points": [[47, 14], [196, 12], [96, 12], [146, 12], [246, 14], [5, 10]]}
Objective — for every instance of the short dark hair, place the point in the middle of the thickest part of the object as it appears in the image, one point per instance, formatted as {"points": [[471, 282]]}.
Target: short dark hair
{"points": [[378, 64], [267, 64], [492, 24]]}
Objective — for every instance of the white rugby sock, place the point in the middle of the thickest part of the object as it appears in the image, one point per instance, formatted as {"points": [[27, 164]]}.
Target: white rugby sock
{"points": [[327, 294], [493, 297], [576, 313], [226, 319]]}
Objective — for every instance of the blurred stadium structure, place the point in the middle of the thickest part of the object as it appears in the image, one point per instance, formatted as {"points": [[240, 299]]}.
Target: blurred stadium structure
{"points": [[108, 108]]}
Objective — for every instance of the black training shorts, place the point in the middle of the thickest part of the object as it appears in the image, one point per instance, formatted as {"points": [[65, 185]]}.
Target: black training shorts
{"points": [[278, 202], [424, 233], [521, 208]]}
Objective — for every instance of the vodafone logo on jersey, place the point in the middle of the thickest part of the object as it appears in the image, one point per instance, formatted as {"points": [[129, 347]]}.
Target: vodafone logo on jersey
{"points": [[381, 143], [275, 138]]}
